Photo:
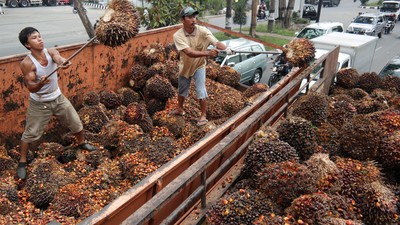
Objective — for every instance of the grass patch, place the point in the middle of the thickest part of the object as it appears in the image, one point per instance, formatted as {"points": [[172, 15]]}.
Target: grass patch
{"points": [[266, 38], [276, 30]]}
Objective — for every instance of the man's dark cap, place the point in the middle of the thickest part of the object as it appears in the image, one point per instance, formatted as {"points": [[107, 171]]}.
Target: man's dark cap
{"points": [[188, 11]]}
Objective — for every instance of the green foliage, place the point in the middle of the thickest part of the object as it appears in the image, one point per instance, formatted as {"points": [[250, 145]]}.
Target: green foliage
{"points": [[364, 2], [164, 13], [240, 16]]}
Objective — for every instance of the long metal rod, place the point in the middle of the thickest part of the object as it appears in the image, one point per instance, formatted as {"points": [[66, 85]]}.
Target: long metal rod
{"points": [[72, 56], [256, 52]]}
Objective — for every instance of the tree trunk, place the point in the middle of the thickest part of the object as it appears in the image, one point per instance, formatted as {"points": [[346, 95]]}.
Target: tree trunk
{"points": [[228, 19], [282, 9], [253, 24], [288, 14], [271, 18]]}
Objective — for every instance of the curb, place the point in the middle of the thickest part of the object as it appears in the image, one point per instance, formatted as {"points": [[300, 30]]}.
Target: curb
{"points": [[94, 5], [369, 7]]}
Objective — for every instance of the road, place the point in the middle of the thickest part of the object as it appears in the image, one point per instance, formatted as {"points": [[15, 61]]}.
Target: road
{"points": [[59, 26]]}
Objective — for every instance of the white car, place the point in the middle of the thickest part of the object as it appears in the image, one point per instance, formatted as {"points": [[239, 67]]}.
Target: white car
{"points": [[368, 24], [318, 29]]}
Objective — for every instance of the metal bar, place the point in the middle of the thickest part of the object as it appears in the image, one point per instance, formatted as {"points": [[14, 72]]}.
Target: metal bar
{"points": [[255, 52], [237, 34], [204, 192], [72, 56]]}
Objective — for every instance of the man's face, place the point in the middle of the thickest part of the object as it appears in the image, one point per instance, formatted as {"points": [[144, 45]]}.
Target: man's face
{"points": [[189, 21], [35, 41]]}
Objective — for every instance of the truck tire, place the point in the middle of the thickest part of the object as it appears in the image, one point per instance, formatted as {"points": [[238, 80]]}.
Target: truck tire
{"points": [[24, 3], [256, 77], [13, 4]]}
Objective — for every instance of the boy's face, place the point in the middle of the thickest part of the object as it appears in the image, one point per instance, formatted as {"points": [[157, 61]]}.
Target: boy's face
{"points": [[35, 41]]}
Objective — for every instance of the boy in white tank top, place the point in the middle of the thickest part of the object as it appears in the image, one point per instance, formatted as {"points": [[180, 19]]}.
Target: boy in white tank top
{"points": [[46, 99]]}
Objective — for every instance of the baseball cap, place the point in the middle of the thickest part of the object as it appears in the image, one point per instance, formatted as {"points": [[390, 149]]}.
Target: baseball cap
{"points": [[188, 11]]}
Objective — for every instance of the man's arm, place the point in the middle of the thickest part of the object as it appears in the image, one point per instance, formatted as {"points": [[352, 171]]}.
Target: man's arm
{"points": [[29, 72], [57, 58], [197, 54]]}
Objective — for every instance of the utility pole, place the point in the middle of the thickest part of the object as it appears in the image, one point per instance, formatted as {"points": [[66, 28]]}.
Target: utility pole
{"points": [[228, 19]]}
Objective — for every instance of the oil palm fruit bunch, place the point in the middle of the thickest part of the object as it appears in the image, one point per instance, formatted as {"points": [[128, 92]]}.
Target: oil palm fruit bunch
{"points": [[229, 76], [357, 93], [223, 101], [300, 134], [49, 149], [138, 77], [313, 107], [361, 137], [389, 152], [155, 105], [310, 208], [324, 173], [347, 78], [356, 174], [135, 167], [8, 189], [152, 54], [46, 178], [120, 23], [391, 83], [370, 105], [369, 81], [300, 52], [159, 87], [71, 200], [161, 150], [172, 72], [255, 89], [171, 53], [378, 204], [212, 69], [128, 95], [110, 99], [240, 207], [136, 113], [284, 181], [91, 98], [388, 119], [6, 162], [265, 151], [175, 124], [328, 138], [341, 111], [93, 118]]}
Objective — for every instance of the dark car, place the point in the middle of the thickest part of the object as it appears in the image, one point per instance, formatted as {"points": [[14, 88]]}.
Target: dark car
{"points": [[392, 68], [309, 12]]}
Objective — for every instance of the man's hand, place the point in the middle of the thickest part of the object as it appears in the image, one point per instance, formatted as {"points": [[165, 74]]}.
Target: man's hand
{"points": [[65, 64], [229, 51]]}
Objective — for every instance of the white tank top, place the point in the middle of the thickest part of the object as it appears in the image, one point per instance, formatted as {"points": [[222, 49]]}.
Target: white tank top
{"points": [[49, 91]]}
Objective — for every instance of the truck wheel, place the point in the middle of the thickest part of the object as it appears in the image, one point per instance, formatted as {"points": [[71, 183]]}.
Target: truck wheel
{"points": [[24, 3], [256, 77], [13, 4]]}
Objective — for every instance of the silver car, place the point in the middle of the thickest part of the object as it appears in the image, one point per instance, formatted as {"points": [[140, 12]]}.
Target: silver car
{"points": [[251, 66], [368, 24]]}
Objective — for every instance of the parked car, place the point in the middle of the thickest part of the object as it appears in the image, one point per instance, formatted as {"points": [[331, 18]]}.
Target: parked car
{"points": [[368, 24], [392, 68], [309, 12], [330, 3], [251, 66], [318, 29], [312, 2]]}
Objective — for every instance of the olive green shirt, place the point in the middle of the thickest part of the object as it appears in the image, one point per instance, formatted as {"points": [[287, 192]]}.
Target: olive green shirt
{"points": [[199, 40]]}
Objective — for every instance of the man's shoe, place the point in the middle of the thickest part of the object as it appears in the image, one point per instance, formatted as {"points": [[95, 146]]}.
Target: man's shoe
{"points": [[21, 170], [87, 146]]}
